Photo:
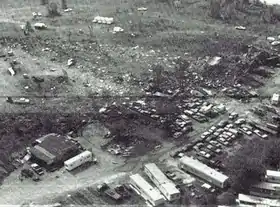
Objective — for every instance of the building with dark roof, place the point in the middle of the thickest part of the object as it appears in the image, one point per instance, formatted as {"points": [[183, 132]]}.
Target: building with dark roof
{"points": [[52, 150]]}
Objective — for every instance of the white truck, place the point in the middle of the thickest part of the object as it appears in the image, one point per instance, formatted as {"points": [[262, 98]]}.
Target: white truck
{"points": [[78, 160]]}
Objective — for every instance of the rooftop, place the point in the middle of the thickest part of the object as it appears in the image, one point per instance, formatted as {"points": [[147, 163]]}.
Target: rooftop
{"points": [[199, 166]]}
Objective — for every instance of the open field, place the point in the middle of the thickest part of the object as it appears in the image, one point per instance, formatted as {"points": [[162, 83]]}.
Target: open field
{"points": [[113, 67]]}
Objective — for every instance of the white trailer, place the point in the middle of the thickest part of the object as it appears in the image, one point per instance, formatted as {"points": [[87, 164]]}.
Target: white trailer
{"points": [[272, 176], [166, 186], [150, 194], [78, 160], [203, 171]]}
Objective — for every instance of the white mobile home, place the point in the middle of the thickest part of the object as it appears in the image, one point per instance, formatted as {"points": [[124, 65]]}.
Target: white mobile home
{"points": [[254, 200], [272, 176], [166, 186], [203, 171], [143, 188], [78, 160]]}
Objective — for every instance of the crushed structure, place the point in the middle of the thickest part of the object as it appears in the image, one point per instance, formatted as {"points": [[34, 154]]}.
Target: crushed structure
{"points": [[52, 150]]}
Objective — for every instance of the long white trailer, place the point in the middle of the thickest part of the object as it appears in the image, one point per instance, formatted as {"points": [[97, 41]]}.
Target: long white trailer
{"points": [[166, 186], [78, 160], [203, 171], [150, 194]]}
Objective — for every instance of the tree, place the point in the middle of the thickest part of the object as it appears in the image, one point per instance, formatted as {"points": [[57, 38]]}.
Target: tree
{"points": [[226, 198], [157, 76], [247, 166], [63, 4], [272, 153]]}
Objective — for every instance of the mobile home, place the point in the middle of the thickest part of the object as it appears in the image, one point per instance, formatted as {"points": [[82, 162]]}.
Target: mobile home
{"points": [[266, 190], [254, 201], [203, 171], [150, 194], [78, 160], [272, 176], [166, 186]]}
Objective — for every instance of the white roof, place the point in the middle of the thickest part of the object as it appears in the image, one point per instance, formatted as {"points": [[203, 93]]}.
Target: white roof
{"points": [[199, 166], [258, 200], [77, 157], [150, 191], [161, 178], [272, 173]]}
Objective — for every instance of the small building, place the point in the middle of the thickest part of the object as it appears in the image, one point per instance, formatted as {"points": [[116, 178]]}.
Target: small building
{"points": [[275, 99], [150, 194], [166, 186], [78, 160], [255, 201], [272, 176], [52, 150], [203, 171]]}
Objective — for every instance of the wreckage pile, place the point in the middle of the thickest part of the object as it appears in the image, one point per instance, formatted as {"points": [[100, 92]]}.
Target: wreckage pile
{"points": [[249, 68]]}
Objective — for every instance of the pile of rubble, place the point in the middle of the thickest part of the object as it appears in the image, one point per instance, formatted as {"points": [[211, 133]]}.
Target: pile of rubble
{"points": [[249, 68]]}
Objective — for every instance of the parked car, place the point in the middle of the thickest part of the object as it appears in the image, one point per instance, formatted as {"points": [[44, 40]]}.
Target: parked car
{"points": [[37, 169], [246, 131], [102, 187]]}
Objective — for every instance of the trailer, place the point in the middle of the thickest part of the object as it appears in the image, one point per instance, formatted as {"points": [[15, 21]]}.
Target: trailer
{"points": [[78, 160], [150, 194], [166, 186]]}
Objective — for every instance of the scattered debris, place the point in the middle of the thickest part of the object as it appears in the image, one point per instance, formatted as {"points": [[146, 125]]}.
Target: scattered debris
{"points": [[40, 26], [270, 39], [214, 61], [142, 9], [68, 10], [71, 62], [275, 99], [240, 28], [11, 71], [103, 20], [275, 43], [10, 53], [117, 29]]}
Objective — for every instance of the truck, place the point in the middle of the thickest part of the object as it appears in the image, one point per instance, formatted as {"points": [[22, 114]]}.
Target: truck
{"points": [[78, 160]]}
